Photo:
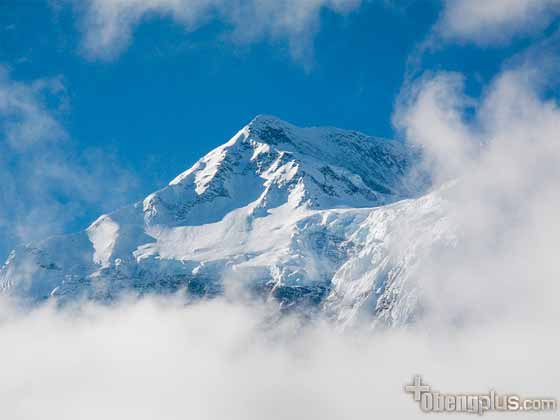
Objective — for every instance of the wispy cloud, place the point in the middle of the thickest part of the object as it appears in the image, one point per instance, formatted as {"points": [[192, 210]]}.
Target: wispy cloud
{"points": [[503, 151], [45, 181], [481, 23], [494, 22], [108, 25]]}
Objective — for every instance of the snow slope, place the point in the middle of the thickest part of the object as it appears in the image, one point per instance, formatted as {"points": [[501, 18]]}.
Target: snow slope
{"points": [[302, 215]]}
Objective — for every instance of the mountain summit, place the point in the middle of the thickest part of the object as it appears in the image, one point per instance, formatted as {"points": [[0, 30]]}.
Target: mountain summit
{"points": [[278, 211], [270, 163]]}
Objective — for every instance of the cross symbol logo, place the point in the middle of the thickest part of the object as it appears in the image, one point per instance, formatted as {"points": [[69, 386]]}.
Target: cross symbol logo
{"points": [[417, 388]]}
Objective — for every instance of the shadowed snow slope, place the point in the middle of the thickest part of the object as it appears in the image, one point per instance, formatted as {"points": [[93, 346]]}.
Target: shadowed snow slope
{"points": [[306, 216]]}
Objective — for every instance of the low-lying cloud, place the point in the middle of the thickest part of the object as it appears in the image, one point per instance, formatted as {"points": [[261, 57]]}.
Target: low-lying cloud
{"points": [[217, 360]]}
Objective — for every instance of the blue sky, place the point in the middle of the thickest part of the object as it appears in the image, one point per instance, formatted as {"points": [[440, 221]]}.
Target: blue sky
{"points": [[148, 96], [172, 96]]}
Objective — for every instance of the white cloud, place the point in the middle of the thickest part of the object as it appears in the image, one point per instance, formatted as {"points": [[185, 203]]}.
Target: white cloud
{"points": [[216, 360], [108, 25], [431, 113], [45, 183], [504, 151], [496, 21]]}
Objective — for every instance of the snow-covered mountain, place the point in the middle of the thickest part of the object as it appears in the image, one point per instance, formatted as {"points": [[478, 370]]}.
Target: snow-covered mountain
{"points": [[307, 216]]}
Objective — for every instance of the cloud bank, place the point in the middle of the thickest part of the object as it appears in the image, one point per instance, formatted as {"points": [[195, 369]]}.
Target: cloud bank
{"points": [[216, 360], [108, 25]]}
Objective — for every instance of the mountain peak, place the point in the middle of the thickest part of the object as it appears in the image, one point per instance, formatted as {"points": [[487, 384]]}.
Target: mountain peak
{"points": [[266, 120], [270, 162], [311, 139], [270, 129], [241, 207]]}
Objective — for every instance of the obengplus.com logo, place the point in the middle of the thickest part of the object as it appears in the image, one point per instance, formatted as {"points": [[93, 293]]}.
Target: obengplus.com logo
{"points": [[436, 402]]}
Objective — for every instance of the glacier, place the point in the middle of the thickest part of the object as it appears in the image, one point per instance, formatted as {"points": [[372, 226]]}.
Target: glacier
{"points": [[321, 218]]}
